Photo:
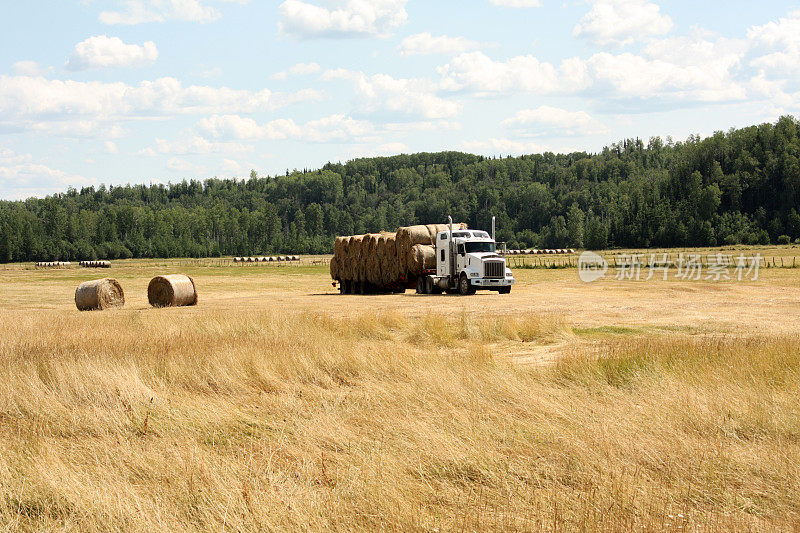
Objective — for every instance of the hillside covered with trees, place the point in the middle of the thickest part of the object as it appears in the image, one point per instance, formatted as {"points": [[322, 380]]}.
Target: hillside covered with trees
{"points": [[737, 187]]}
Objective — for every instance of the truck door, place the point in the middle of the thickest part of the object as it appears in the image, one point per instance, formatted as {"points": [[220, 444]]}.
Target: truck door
{"points": [[442, 255]]}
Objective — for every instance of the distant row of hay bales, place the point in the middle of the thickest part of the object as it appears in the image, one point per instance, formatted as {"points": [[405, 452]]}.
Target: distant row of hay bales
{"points": [[67, 264], [272, 259], [387, 259], [548, 251], [96, 264], [174, 290]]}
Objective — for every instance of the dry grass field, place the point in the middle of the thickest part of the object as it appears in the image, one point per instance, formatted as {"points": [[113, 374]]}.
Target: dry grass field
{"points": [[277, 404]]}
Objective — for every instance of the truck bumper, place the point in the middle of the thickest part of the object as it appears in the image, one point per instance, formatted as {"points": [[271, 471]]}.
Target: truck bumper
{"points": [[489, 283]]}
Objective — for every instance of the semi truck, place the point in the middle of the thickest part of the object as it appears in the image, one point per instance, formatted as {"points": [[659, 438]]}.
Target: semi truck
{"points": [[433, 259], [466, 261]]}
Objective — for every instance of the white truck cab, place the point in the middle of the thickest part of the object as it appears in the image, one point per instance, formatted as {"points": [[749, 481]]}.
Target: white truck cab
{"points": [[466, 261]]}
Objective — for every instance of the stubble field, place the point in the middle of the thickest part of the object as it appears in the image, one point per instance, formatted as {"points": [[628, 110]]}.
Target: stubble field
{"points": [[277, 404]]}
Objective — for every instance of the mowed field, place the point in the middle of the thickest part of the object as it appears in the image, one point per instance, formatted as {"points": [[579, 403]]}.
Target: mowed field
{"points": [[278, 404]]}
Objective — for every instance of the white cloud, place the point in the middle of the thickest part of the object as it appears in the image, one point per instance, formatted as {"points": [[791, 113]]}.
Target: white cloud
{"points": [[631, 76], [785, 33], [21, 177], [214, 72], [300, 69], [503, 146], [385, 149], [671, 69], [199, 146], [110, 147], [236, 127], [102, 51], [775, 91], [177, 164], [147, 152], [28, 68], [425, 125], [621, 22], [427, 44], [381, 93], [517, 3], [142, 11], [75, 129], [781, 40], [24, 100], [354, 18], [335, 128], [551, 120], [478, 73]]}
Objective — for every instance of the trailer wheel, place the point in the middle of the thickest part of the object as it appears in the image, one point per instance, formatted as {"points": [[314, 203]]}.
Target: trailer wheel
{"points": [[465, 288]]}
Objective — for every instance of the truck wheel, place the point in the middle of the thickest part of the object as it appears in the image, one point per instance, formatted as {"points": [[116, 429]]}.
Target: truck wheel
{"points": [[430, 288], [464, 286], [421, 286], [505, 290]]}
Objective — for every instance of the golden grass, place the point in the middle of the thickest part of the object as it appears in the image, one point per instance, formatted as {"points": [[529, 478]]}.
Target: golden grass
{"points": [[301, 420]]}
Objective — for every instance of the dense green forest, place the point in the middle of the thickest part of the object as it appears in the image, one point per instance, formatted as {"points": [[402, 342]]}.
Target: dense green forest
{"points": [[737, 187]]}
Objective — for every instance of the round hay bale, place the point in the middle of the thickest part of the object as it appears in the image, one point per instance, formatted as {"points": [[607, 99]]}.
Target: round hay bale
{"points": [[174, 290], [99, 294], [422, 257]]}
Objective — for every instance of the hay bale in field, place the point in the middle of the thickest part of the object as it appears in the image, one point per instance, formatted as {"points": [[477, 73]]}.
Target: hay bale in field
{"points": [[173, 290], [99, 294]]}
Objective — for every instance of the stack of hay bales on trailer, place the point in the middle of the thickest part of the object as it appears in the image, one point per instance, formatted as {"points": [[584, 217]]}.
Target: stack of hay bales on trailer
{"points": [[383, 262], [54, 264]]}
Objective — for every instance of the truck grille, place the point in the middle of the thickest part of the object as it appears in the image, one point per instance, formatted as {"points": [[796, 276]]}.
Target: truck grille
{"points": [[494, 269]]}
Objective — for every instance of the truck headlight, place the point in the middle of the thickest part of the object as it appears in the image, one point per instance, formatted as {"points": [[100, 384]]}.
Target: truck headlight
{"points": [[473, 274]]}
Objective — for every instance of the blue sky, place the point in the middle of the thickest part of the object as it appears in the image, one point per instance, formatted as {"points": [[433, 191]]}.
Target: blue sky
{"points": [[141, 91]]}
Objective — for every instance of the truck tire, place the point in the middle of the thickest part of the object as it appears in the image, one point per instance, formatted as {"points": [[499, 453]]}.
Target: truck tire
{"points": [[505, 290], [421, 286], [465, 288], [430, 288]]}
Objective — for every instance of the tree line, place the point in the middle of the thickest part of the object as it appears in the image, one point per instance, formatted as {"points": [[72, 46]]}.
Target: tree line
{"points": [[740, 186]]}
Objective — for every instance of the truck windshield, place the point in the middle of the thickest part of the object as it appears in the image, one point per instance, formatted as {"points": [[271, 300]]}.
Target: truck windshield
{"points": [[477, 247]]}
